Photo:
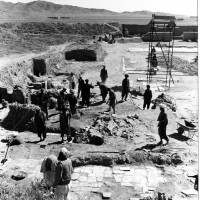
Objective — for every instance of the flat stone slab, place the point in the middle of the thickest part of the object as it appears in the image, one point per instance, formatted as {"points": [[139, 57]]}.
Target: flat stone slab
{"points": [[127, 184], [75, 176], [82, 178], [189, 192], [118, 172], [106, 195], [125, 168]]}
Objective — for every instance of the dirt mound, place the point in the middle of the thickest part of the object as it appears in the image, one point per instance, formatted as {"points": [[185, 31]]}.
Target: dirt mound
{"points": [[20, 117], [180, 65], [167, 100], [117, 126], [64, 28]]}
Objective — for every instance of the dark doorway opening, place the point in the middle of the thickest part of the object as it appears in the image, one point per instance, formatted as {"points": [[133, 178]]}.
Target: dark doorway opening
{"points": [[39, 67], [81, 55]]}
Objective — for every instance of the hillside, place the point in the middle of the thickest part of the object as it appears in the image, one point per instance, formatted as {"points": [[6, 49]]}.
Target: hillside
{"points": [[44, 9]]}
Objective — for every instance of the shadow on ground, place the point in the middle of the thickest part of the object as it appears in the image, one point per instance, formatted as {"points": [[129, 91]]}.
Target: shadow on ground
{"points": [[178, 137]]}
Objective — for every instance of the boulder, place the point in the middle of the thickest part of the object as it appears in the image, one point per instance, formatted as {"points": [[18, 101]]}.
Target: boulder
{"points": [[110, 127], [95, 137]]}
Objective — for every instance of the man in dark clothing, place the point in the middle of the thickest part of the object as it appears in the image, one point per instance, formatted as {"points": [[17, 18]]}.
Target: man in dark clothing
{"points": [[104, 91], [80, 86], [40, 123], [104, 74], [162, 125], [65, 116], [147, 97], [43, 102], [86, 93], [61, 98], [72, 102], [112, 100], [63, 174], [125, 87]]}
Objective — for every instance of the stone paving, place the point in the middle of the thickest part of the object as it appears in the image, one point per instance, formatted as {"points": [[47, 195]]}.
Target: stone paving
{"points": [[91, 178], [140, 178]]}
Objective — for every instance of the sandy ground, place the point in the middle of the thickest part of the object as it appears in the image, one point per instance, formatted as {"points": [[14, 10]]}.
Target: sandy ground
{"points": [[118, 60]]}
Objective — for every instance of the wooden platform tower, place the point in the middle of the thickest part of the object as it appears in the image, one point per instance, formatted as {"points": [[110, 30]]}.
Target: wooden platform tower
{"points": [[167, 25]]}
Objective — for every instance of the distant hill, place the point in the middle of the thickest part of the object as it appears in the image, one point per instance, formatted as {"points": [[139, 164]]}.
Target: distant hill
{"points": [[44, 9]]}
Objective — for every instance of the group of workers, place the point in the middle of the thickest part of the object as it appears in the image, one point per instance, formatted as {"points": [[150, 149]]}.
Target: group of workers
{"points": [[67, 104], [57, 171]]}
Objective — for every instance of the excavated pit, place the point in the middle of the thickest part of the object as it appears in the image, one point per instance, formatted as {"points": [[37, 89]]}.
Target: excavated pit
{"points": [[81, 55], [39, 67]]}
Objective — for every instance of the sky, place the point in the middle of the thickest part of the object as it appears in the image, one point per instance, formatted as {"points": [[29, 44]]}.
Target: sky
{"points": [[185, 7]]}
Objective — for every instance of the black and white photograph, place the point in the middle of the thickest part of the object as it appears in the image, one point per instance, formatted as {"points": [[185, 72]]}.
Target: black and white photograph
{"points": [[99, 99]]}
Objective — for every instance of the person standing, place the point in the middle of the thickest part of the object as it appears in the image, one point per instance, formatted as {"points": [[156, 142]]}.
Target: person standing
{"points": [[86, 93], [80, 86], [112, 100], [125, 87], [72, 81], [65, 116], [104, 74], [162, 125], [43, 102], [48, 168], [72, 102], [64, 171], [147, 97], [61, 98], [40, 122], [103, 90]]}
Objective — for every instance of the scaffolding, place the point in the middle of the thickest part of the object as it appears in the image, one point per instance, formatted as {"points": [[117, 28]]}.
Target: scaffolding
{"points": [[167, 24]]}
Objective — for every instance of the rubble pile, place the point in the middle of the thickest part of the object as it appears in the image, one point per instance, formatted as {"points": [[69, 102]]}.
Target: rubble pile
{"points": [[165, 99], [116, 126]]}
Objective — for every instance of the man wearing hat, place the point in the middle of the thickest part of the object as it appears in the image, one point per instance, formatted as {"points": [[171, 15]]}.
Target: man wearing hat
{"points": [[63, 174], [86, 93], [147, 97], [65, 116], [162, 125], [104, 74], [80, 86], [61, 98], [125, 87]]}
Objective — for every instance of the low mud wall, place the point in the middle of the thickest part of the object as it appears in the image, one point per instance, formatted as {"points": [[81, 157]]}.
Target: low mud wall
{"points": [[134, 29]]}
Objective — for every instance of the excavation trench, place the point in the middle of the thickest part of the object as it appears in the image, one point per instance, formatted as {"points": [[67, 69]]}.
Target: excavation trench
{"points": [[81, 55]]}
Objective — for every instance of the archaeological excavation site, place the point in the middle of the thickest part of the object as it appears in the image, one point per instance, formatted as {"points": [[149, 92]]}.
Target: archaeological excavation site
{"points": [[116, 149]]}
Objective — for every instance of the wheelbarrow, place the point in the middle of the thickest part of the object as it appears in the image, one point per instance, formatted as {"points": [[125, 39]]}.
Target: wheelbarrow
{"points": [[187, 127]]}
